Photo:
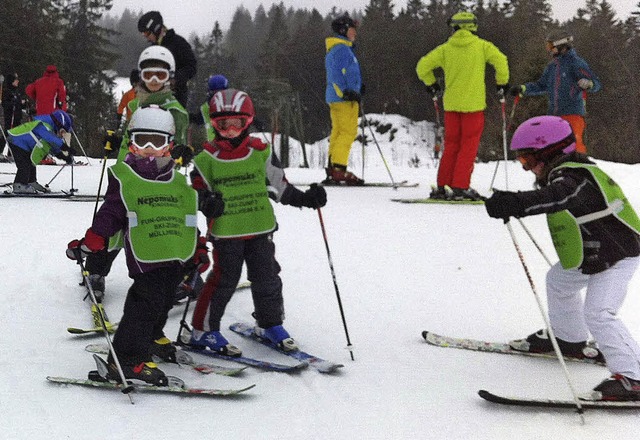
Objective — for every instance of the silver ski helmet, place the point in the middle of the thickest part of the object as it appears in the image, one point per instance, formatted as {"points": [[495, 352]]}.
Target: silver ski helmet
{"points": [[542, 138]]}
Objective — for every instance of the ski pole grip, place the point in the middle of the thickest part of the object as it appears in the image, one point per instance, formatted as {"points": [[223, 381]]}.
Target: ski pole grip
{"points": [[107, 145]]}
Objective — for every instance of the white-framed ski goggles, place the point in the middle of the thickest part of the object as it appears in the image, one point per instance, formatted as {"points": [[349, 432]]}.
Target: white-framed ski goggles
{"points": [[158, 73], [157, 141]]}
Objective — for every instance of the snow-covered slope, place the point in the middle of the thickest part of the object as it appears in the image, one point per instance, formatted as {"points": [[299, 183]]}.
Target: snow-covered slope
{"points": [[400, 269]]}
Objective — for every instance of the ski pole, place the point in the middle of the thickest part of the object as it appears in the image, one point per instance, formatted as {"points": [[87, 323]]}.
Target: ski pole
{"points": [[78, 141], [438, 138], [335, 284], [56, 175], [107, 149], [552, 336], [533, 240], [393, 183], [516, 100], [85, 274], [190, 286], [364, 144]]}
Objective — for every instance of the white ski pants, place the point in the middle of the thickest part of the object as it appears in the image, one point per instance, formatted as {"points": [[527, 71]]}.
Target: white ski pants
{"points": [[572, 319]]}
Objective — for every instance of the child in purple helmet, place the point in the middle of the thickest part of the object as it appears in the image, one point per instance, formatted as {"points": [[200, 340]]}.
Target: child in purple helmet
{"points": [[595, 232]]}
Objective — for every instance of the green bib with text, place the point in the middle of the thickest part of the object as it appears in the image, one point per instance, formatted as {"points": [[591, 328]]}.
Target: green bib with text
{"points": [[162, 215], [565, 228], [248, 210]]}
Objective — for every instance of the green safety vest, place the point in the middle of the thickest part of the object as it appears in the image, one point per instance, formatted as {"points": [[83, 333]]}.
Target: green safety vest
{"points": [[204, 109], [166, 101], [42, 147], [162, 215], [248, 210], [565, 228]]}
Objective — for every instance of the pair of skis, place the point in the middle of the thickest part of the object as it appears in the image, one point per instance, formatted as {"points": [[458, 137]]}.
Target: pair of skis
{"points": [[502, 348]]}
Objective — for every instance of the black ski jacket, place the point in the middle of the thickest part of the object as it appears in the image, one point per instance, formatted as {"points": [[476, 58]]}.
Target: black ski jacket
{"points": [[186, 63], [576, 191]]}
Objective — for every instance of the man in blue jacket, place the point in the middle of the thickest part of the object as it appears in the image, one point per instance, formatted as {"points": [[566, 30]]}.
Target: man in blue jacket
{"points": [[566, 80], [343, 93]]}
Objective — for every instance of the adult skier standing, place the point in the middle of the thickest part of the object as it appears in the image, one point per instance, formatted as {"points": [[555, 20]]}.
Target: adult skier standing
{"points": [[151, 25], [595, 232], [463, 58], [566, 80], [343, 94]]}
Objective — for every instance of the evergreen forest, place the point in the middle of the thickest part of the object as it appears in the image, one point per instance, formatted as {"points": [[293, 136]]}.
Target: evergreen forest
{"points": [[276, 54]]}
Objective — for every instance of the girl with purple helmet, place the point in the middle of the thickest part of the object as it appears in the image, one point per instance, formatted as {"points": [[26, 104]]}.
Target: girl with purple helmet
{"points": [[595, 232]]}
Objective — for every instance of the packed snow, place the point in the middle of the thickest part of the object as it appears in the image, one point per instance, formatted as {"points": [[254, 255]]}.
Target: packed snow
{"points": [[400, 269]]}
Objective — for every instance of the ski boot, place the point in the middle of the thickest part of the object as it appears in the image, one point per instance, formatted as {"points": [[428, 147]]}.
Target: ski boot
{"points": [[338, 174], [616, 388], [39, 188], [164, 349], [214, 341], [147, 372], [277, 335], [23, 188], [97, 283], [539, 342], [469, 194], [438, 193]]}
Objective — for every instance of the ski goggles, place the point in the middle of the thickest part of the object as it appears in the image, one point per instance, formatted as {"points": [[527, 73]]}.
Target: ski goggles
{"points": [[230, 126], [157, 141], [158, 73], [528, 160]]}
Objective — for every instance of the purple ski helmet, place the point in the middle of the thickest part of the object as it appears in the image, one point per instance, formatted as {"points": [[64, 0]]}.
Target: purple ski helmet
{"points": [[544, 137]]}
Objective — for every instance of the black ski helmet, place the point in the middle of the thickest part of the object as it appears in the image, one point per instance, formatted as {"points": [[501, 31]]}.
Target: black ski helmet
{"points": [[342, 24], [151, 22], [560, 38]]}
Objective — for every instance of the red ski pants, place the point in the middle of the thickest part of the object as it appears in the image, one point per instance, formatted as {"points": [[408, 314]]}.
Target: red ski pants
{"points": [[462, 133], [577, 125]]}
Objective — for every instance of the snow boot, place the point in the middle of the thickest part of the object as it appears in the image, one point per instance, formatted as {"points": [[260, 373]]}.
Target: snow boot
{"points": [[147, 372], [164, 349], [469, 194], [39, 188], [277, 335], [214, 341], [617, 387], [23, 188], [539, 342], [97, 284]]}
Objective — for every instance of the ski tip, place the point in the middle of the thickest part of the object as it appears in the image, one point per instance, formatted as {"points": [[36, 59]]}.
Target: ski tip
{"points": [[424, 334]]}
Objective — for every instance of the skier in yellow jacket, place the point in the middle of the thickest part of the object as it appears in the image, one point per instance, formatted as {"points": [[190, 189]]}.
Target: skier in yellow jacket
{"points": [[463, 59]]}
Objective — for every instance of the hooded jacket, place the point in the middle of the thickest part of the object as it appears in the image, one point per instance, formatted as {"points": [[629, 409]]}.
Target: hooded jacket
{"points": [[463, 58], [48, 92]]}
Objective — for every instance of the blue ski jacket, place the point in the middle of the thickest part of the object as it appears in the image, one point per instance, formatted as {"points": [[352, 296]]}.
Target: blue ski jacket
{"points": [[560, 82], [27, 135], [343, 70]]}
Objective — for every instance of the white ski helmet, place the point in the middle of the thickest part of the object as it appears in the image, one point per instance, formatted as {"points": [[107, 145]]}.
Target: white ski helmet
{"points": [[152, 119], [151, 127], [158, 53]]}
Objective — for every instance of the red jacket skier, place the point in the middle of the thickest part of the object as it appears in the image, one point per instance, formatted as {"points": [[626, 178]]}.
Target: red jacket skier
{"points": [[48, 92]]}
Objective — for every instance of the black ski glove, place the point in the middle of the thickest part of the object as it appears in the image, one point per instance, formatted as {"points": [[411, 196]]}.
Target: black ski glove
{"points": [[516, 90], [315, 197], [211, 204], [433, 89], [111, 142], [351, 95], [502, 89], [503, 204], [182, 154], [66, 153]]}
